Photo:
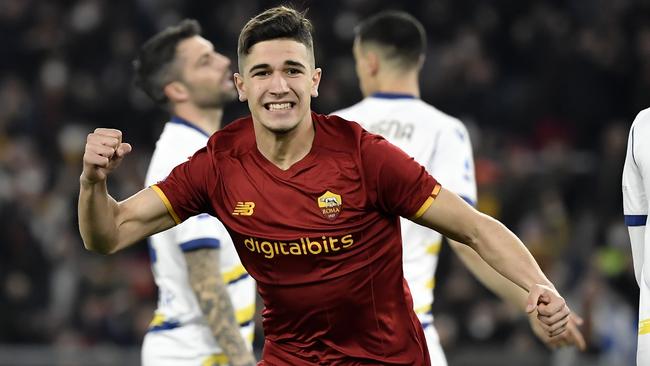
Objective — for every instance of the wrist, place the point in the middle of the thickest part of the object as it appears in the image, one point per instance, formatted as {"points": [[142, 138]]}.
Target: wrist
{"points": [[85, 182], [543, 282]]}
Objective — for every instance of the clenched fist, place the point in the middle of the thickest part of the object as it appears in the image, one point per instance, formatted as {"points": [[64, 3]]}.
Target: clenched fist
{"points": [[104, 152], [552, 311]]}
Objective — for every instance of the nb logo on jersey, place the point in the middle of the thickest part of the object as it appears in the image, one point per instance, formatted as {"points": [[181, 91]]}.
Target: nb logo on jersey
{"points": [[244, 209]]}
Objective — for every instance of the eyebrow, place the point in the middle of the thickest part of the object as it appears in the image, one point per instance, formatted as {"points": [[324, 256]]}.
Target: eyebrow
{"points": [[259, 66], [286, 63], [294, 63]]}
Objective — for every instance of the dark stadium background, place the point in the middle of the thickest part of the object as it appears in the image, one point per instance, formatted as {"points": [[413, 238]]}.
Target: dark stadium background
{"points": [[548, 90]]}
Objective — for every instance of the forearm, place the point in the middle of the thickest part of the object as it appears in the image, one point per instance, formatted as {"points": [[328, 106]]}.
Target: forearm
{"points": [[107, 226], [216, 305], [97, 214], [504, 252], [488, 276]]}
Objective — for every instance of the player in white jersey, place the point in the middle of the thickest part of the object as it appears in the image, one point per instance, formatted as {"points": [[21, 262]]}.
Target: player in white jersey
{"points": [[389, 51], [636, 204], [440, 143], [195, 265]]}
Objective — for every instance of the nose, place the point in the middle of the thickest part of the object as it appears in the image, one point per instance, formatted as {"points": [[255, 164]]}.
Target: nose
{"points": [[222, 61], [279, 85]]}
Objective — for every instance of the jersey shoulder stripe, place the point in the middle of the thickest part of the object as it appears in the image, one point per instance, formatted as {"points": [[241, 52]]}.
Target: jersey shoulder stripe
{"points": [[168, 204]]}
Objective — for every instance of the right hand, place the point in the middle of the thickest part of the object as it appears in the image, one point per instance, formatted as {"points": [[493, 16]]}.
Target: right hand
{"points": [[104, 152]]}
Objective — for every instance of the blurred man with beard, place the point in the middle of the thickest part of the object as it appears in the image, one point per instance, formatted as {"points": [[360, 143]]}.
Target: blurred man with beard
{"points": [[195, 264]]}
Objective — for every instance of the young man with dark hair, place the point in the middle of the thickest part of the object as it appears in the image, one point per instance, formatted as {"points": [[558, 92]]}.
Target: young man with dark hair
{"points": [[195, 265], [389, 50], [313, 204]]}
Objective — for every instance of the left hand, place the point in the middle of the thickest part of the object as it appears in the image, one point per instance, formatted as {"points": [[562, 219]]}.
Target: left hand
{"points": [[552, 311], [572, 336]]}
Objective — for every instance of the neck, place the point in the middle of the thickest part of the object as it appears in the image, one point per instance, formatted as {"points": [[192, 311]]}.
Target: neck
{"points": [[285, 149], [207, 119], [398, 84]]}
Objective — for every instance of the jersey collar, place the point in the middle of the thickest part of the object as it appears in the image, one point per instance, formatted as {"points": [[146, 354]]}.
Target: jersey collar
{"points": [[393, 96], [183, 121]]}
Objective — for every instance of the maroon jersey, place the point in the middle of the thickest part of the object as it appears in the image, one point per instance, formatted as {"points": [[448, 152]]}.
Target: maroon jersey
{"points": [[321, 238]]}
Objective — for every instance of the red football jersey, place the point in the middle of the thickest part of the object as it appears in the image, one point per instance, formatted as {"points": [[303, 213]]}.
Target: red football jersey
{"points": [[321, 238]]}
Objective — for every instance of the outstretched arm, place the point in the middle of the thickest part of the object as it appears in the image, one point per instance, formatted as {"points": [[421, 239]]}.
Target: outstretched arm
{"points": [[214, 300], [517, 296], [107, 226], [503, 251]]}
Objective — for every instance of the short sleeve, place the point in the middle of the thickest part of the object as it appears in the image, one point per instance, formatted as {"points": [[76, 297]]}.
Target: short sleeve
{"points": [[452, 163], [636, 185], [636, 166], [185, 191], [396, 183]]}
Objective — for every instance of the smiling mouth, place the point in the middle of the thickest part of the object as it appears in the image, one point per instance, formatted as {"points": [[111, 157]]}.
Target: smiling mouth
{"points": [[279, 106]]}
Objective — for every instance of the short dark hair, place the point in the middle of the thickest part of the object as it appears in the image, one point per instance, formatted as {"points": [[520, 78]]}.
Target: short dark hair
{"points": [[154, 65], [401, 36], [275, 23]]}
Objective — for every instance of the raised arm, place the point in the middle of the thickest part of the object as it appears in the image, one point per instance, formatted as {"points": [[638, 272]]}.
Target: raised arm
{"points": [[106, 225], [503, 251]]}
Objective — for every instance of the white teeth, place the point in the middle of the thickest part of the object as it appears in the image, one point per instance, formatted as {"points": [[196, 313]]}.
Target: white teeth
{"points": [[279, 106]]}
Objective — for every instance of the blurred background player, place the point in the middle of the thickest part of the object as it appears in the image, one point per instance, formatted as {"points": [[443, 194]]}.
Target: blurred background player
{"points": [[195, 264], [389, 50], [636, 204]]}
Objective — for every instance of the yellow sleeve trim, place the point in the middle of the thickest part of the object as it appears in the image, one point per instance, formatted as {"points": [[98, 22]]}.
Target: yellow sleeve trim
{"points": [[434, 248], [246, 314], [215, 359], [644, 326], [423, 309], [157, 320], [425, 206], [233, 274], [168, 204]]}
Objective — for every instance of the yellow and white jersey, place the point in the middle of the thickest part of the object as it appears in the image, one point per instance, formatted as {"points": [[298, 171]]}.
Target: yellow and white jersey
{"points": [[441, 144], [177, 304], [636, 204]]}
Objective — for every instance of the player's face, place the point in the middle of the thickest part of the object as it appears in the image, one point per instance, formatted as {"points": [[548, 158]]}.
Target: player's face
{"points": [[205, 73], [278, 79]]}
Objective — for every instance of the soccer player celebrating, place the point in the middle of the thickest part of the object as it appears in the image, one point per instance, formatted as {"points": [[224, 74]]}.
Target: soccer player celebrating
{"points": [[389, 51], [312, 204], [636, 203], [195, 265]]}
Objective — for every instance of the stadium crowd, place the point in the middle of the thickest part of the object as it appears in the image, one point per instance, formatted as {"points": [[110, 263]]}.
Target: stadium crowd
{"points": [[547, 88]]}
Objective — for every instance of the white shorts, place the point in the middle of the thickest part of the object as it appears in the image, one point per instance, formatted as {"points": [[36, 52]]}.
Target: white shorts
{"points": [[189, 345], [435, 349]]}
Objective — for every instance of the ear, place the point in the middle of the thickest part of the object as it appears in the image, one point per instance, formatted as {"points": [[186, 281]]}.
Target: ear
{"points": [[420, 62], [372, 62], [239, 84], [176, 92], [315, 81]]}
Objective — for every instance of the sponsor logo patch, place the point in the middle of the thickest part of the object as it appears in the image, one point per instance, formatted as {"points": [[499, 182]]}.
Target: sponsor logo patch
{"points": [[244, 209], [330, 205]]}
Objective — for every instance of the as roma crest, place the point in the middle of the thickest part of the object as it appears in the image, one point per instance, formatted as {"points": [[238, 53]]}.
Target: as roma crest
{"points": [[330, 205]]}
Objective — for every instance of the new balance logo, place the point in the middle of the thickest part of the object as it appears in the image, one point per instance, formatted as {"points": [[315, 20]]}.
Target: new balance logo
{"points": [[244, 209]]}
